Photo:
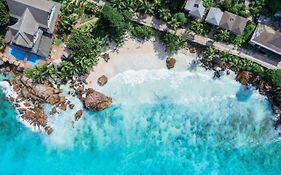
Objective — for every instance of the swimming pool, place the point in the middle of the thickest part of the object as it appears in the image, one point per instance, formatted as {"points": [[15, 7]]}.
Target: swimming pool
{"points": [[33, 59], [17, 53]]}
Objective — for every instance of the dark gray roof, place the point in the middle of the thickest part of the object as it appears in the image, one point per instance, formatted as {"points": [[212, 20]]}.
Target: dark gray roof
{"points": [[35, 25], [195, 8], [40, 10], [214, 16], [234, 23], [44, 46], [268, 38], [26, 28]]}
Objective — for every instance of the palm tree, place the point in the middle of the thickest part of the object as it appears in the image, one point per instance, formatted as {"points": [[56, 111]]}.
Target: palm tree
{"points": [[222, 35], [210, 53], [165, 14], [197, 26]]}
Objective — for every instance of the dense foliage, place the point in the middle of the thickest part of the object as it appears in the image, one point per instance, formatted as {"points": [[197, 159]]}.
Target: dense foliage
{"points": [[208, 3], [115, 23], [274, 5], [273, 77], [4, 14], [178, 20], [143, 6], [142, 32], [235, 62], [172, 42], [256, 7], [71, 11], [199, 27], [4, 22], [236, 6], [222, 35]]}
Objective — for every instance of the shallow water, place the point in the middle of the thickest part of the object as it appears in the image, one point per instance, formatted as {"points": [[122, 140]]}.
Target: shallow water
{"points": [[161, 122]]}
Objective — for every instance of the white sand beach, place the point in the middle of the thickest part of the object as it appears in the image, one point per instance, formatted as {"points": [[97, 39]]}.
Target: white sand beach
{"points": [[135, 55]]}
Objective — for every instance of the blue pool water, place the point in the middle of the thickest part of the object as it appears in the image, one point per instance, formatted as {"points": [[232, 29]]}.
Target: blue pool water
{"points": [[33, 59], [17, 53], [160, 123]]}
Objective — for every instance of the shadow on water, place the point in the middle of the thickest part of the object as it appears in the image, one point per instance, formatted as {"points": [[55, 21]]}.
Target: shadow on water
{"points": [[244, 93]]}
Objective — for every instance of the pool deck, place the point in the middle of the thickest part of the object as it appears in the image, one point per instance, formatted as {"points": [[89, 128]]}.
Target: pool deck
{"points": [[6, 57]]}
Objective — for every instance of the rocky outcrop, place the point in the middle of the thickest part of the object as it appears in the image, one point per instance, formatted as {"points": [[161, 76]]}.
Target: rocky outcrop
{"points": [[91, 99], [28, 89], [102, 80], [245, 77], [96, 101], [32, 95], [170, 62]]}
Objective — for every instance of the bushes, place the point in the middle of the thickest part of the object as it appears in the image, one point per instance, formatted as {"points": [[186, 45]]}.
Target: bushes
{"points": [[236, 6], [273, 77], [222, 35], [4, 14], [114, 23], [235, 62], [172, 42], [274, 5], [208, 3], [257, 7], [165, 14], [178, 20], [142, 32], [199, 27]]}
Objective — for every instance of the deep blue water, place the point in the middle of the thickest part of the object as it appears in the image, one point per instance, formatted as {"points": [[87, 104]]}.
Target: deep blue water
{"points": [[160, 123]]}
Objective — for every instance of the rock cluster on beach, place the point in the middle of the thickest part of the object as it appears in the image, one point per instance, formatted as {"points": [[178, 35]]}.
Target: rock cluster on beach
{"points": [[170, 62], [102, 80], [92, 100]]}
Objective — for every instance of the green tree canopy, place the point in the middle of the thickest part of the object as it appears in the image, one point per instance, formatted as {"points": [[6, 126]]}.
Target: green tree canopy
{"points": [[4, 14], [172, 42], [274, 5], [115, 23]]}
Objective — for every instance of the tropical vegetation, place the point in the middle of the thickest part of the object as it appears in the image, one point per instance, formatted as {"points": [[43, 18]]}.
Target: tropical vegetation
{"points": [[273, 77], [173, 42], [199, 27], [235, 63], [177, 20], [236, 6], [4, 21], [142, 32], [115, 23], [222, 35], [208, 3]]}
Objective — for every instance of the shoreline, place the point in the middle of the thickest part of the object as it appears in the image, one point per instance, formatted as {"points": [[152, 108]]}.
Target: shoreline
{"points": [[136, 55]]}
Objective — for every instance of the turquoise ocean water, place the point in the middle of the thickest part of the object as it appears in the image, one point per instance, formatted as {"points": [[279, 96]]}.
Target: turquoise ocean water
{"points": [[161, 123]]}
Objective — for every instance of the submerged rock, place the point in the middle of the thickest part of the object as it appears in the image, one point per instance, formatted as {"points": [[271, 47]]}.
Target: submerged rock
{"points": [[96, 101], [71, 106], [53, 111], [102, 80], [78, 115], [170, 62]]}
